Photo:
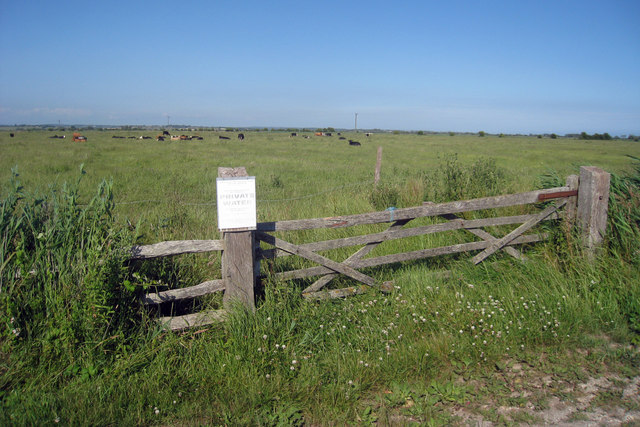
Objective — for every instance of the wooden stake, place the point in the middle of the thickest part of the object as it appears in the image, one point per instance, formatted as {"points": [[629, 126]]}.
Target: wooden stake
{"points": [[378, 166]]}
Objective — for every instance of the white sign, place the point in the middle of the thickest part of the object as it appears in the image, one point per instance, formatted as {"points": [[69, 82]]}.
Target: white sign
{"points": [[236, 203]]}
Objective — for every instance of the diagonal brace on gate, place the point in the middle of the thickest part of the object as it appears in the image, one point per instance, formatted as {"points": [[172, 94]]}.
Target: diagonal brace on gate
{"points": [[312, 256], [361, 253], [487, 237], [498, 244]]}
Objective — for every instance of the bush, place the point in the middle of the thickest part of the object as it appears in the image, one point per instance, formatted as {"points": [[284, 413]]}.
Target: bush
{"points": [[455, 181]]}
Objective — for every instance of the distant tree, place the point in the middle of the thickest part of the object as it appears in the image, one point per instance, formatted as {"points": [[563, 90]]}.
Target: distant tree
{"points": [[420, 132], [598, 136], [452, 134], [553, 136], [501, 135], [481, 133]]}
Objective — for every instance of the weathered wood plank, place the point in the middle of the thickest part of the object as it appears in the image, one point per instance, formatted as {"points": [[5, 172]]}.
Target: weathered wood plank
{"points": [[486, 236], [175, 247], [361, 253], [593, 204], [192, 320], [332, 265], [199, 290], [571, 208], [238, 269], [495, 245], [407, 256], [336, 293], [410, 213], [407, 232]]}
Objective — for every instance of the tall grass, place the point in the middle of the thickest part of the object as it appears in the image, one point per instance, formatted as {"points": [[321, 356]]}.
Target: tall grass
{"points": [[77, 348], [62, 278]]}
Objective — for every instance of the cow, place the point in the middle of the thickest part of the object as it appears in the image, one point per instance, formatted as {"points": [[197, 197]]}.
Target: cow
{"points": [[160, 138], [223, 137], [318, 133], [11, 135], [165, 133], [327, 134], [293, 134], [241, 136], [342, 137], [368, 134], [355, 143], [306, 136]]}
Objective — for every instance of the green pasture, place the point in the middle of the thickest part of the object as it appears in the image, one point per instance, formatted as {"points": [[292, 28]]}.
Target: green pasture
{"points": [[78, 348], [171, 185]]}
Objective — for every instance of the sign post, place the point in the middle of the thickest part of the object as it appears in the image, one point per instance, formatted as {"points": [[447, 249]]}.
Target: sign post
{"points": [[236, 201]]}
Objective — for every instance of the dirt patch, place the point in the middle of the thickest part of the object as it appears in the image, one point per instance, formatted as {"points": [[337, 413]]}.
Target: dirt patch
{"points": [[610, 401]]}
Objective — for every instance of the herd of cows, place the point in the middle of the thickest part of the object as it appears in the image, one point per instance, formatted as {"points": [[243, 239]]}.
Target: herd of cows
{"points": [[241, 137]]}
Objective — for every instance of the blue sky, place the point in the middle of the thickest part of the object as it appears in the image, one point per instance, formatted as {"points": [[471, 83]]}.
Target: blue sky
{"points": [[498, 66]]}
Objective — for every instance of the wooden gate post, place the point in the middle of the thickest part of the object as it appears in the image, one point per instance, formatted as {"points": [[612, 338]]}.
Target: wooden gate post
{"points": [[593, 203], [238, 259]]}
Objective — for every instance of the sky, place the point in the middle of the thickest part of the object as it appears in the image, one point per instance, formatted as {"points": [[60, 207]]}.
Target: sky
{"points": [[517, 66]]}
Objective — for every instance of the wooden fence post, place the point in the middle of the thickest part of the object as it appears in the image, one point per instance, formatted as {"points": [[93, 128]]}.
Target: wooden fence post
{"points": [[571, 207], [376, 176], [238, 259], [593, 203]]}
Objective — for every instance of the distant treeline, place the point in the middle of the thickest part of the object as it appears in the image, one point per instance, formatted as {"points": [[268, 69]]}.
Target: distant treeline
{"points": [[604, 136]]}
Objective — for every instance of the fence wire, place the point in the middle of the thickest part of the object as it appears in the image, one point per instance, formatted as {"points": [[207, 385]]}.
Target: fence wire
{"points": [[289, 199]]}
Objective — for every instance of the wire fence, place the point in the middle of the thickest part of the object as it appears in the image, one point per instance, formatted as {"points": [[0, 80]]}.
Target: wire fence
{"points": [[288, 199]]}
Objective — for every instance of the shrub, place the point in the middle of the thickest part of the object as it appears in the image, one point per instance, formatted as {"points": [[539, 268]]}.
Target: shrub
{"points": [[455, 181]]}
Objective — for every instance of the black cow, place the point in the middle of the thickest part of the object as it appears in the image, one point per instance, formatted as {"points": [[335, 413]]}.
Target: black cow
{"points": [[356, 143], [160, 138], [241, 136], [11, 135], [294, 134], [223, 137], [165, 133], [342, 137]]}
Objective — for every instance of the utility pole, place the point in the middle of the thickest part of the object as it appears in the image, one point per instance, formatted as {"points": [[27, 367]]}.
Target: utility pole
{"points": [[356, 122]]}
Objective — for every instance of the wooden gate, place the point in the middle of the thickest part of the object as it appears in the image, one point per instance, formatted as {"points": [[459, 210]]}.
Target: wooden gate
{"points": [[583, 200]]}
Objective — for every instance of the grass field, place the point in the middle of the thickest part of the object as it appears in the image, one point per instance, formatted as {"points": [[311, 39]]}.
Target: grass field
{"points": [[77, 348], [296, 178]]}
